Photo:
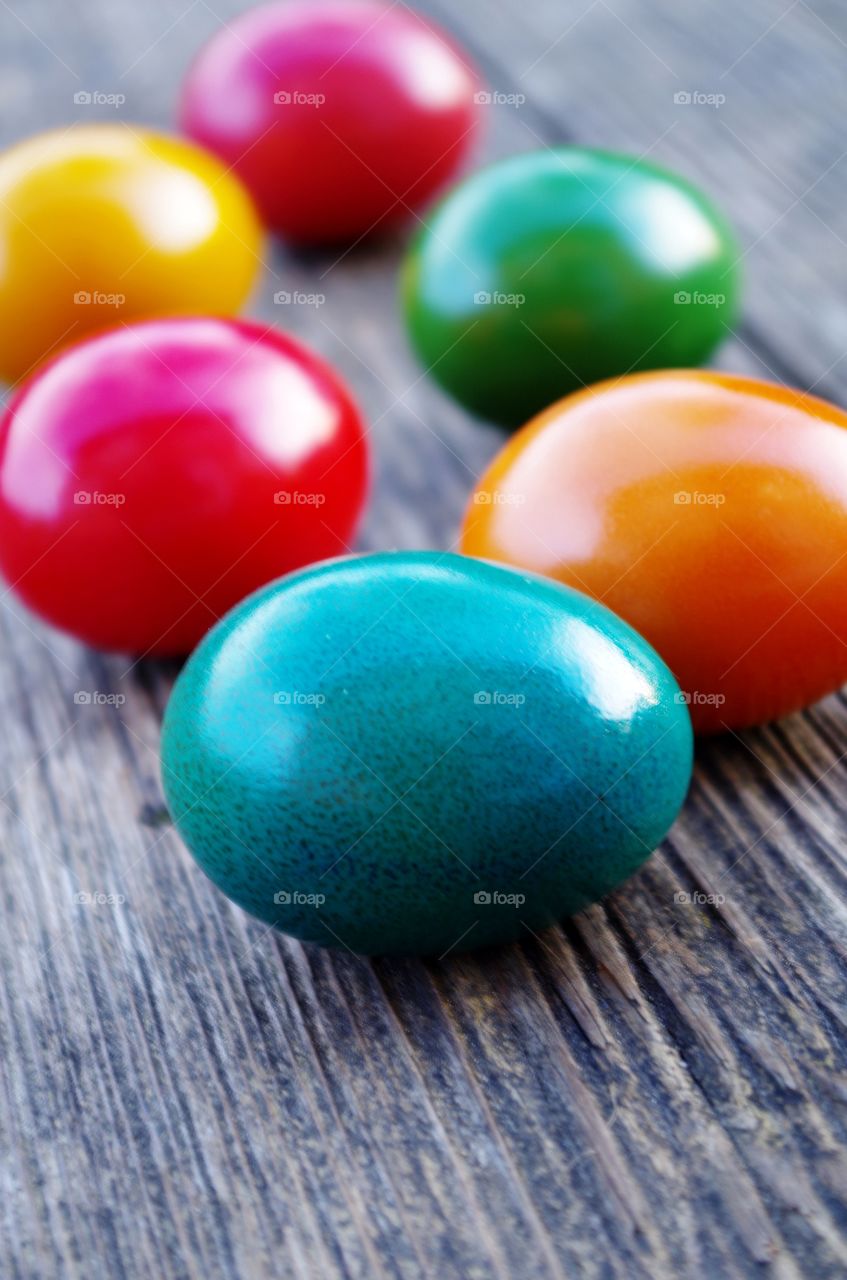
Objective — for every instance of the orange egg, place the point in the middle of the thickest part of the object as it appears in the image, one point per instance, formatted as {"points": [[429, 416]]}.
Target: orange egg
{"points": [[709, 511]]}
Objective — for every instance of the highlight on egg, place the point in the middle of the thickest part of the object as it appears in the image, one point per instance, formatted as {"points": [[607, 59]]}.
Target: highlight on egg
{"points": [[342, 117], [708, 510], [155, 474], [101, 225], [418, 752], [556, 268]]}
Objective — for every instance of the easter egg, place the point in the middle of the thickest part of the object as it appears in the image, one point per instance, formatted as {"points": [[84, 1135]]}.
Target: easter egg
{"points": [[418, 752], [341, 118], [102, 224], [556, 268], [708, 510], [154, 475]]}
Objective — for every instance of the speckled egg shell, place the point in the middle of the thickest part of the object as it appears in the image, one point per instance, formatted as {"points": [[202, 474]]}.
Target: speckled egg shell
{"points": [[419, 753]]}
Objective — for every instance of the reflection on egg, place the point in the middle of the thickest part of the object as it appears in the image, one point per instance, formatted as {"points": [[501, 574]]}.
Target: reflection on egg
{"points": [[555, 268], [419, 753], [708, 510]]}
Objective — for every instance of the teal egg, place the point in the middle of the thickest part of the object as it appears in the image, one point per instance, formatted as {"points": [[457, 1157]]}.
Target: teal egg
{"points": [[416, 752]]}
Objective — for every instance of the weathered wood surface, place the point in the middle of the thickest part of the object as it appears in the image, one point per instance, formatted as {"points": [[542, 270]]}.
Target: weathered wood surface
{"points": [[656, 1089]]}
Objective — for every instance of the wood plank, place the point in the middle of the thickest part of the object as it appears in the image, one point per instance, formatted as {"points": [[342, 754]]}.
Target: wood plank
{"points": [[655, 1089]]}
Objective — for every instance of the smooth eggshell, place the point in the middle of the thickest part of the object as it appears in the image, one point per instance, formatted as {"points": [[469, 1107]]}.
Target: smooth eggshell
{"points": [[708, 510], [556, 268], [154, 475], [418, 752], [342, 117]]}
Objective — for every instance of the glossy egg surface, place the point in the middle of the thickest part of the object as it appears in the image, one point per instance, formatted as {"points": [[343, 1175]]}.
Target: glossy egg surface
{"points": [[154, 475], [708, 510], [553, 269], [103, 224], [418, 752], [342, 118]]}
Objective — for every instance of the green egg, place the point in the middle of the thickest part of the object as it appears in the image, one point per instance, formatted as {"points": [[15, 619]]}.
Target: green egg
{"points": [[557, 268]]}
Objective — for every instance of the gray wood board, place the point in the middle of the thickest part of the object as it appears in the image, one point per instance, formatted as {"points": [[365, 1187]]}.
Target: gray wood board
{"points": [[655, 1089]]}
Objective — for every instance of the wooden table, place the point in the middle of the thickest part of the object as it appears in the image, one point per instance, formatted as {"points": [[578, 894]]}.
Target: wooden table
{"points": [[656, 1089]]}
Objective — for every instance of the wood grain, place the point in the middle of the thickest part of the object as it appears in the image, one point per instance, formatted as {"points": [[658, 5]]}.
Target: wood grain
{"points": [[656, 1089]]}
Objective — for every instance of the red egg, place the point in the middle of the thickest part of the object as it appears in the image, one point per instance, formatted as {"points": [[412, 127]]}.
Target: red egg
{"points": [[152, 476], [341, 118]]}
